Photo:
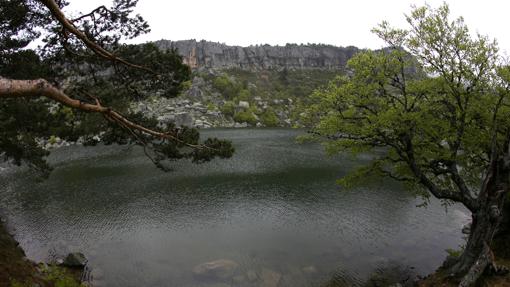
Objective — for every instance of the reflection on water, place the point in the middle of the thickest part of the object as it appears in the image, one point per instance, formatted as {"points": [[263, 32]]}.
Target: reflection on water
{"points": [[274, 209]]}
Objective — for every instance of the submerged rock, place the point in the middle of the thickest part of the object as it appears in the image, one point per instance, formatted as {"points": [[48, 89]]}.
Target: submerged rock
{"points": [[239, 279], [251, 275], [75, 260], [218, 269], [270, 278], [309, 269]]}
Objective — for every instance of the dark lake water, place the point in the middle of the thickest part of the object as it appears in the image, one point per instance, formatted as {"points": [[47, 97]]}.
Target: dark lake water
{"points": [[273, 206]]}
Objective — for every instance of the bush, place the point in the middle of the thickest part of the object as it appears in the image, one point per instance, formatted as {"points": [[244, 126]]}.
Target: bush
{"points": [[228, 88], [269, 118], [245, 116], [211, 107], [244, 95], [228, 109]]}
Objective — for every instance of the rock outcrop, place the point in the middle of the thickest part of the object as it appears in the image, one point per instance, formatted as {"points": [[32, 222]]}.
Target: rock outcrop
{"points": [[221, 269], [206, 55]]}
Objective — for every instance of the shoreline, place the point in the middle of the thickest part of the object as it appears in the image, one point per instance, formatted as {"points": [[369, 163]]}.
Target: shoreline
{"points": [[17, 270]]}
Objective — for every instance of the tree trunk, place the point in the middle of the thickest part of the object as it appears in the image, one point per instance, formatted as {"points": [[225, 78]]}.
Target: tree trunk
{"points": [[477, 256], [501, 241]]}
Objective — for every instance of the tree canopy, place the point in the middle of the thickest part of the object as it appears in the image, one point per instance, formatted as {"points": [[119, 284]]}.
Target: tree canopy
{"points": [[80, 83], [435, 105]]}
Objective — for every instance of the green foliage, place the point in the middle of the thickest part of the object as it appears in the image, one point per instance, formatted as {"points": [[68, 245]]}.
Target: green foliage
{"points": [[244, 95], [245, 117], [211, 107], [54, 275], [430, 113], [226, 86], [60, 277], [88, 77], [52, 139], [454, 252], [274, 84], [228, 108], [15, 283], [269, 118], [20, 18]]}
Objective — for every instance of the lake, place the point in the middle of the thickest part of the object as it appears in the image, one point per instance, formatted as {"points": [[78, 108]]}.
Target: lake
{"points": [[274, 208]]}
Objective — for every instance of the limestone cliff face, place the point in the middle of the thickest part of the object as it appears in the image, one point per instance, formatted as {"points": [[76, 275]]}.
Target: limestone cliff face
{"points": [[203, 54]]}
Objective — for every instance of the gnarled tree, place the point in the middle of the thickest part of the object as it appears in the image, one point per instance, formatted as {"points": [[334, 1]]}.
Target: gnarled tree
{"points": [[437, 103], [81, 82]]}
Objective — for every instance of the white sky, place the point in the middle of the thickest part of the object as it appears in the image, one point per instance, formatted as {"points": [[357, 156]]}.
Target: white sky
{"points": [[336, 22]]}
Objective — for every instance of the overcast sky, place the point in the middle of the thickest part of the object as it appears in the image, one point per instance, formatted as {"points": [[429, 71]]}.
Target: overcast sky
{"points": [[337, 22]]}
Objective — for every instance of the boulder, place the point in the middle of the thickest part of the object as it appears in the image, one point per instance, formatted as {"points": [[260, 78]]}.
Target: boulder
{"points": [[166, 118], [219, 269], [241, 125], [76, 260], [202, 110], [183, 119], [213, 113], [270, 278], [244, 105]]}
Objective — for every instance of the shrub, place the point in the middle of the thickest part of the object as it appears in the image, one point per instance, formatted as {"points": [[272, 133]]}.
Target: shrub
{"points": [[228, 88], [269, 118], [211, 107], [228, 109], [244, 95], [245, 116]]}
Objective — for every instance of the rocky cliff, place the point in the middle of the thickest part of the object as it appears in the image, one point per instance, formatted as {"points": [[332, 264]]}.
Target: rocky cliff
{"points": [[204, 54], [233, 86]]}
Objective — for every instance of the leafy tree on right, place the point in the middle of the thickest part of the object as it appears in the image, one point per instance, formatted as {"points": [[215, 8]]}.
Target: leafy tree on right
{"points": [[436, 104]]}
